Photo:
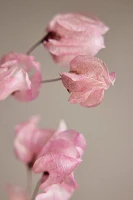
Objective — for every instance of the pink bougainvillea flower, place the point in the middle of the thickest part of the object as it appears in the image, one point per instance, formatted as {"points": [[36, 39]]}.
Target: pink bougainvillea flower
{"points": [[65, 146], [87, 80], [29, 140], [20, 77], [59, 191], [59, 157], [72, 34], [17, 193]]}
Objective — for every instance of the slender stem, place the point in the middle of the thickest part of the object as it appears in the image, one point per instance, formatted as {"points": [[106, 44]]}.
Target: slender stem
{"points": [[51, 80], [36, 190], [29, 180], [35, 45]]}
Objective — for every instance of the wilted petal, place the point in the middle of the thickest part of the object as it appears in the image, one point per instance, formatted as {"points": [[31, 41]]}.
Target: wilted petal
{"points": [[16, 77], [77, 22], [75, 138], [74, 82], [78, 97], [72, 34], [70, 183], [57, 165], [55, 192], [94, 98], [91, 66], [59, 191], [87, 99], [12, 80], [84, 44], [35, 76], [30, 140], [22, 142], [60, 146]]}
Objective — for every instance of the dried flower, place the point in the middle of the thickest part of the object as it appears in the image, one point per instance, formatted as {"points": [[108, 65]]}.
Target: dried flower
{"points": [[60, 156], [72, 34], [59, 191], [87, 80], [20, 77]]}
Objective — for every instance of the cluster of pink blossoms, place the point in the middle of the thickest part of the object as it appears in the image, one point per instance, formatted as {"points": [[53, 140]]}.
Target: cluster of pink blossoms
{"points": [[72, 40], [53, 154]]}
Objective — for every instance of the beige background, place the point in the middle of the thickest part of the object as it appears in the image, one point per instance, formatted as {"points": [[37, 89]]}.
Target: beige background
{"points": [[107, 169]]}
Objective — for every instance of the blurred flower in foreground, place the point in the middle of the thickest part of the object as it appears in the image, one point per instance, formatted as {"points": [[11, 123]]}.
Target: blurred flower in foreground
{"points": [[16, 193], [87, 80], [59, 191], [29, 140], [20, 76], [60, 156], [72, 34], [55, 154]]}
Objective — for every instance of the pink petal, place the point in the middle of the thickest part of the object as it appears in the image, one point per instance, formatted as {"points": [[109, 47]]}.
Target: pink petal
{"points": [[59, 191], [62, 126], [87, 99], [75, 138], [64, 50], [63, 60], [94, 98], [79, 97], [77, 22], [77, 35], [15, 77], [68, 21], [59, 48], [93, 67], [16, 193], [66, 142], [70, 184], [12, 80], [57, 165], [74, 82], [30, 140], [98, 24], [22, 142], [36, 78], [61, 146], [28, 125], [55, 192], [22, 152]]}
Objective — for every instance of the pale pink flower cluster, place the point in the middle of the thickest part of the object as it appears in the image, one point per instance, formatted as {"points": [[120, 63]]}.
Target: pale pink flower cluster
{"points": [[53, 153], [73, 40]]}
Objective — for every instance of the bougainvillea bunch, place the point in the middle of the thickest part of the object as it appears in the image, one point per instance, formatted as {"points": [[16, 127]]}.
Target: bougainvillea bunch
{"points": [[73, 40]]}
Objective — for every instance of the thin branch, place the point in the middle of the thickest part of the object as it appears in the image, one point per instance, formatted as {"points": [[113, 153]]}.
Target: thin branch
{"points": [[29, 180], [51, 80], [35, 45], [36, 190]]}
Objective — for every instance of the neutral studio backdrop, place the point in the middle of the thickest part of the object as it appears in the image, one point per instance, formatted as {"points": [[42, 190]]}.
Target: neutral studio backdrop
{"points": [[106, 172]]}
